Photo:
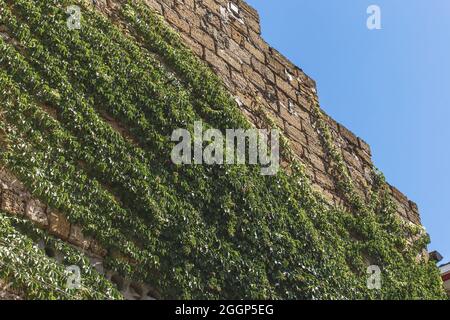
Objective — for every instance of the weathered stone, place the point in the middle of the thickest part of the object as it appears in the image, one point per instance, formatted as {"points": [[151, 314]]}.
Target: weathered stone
{"points": [[58, 224], [255, 52], [154, 4], [352, 160], [317, 162], [194, 45], [347, 134], [296, 134], [400, 197], [261, 68], [414, 207], [211, 5], [231, 60], [179, 23], [216, 62], [324, 180], [239, 80], [286, 87], [12, 202], [9, 181], [291, 117], [254, 77], [77, 238], [364, 156], [35, 211], [97, 249], [363, 145], [6, 293], [203, 38], [235, 50]]}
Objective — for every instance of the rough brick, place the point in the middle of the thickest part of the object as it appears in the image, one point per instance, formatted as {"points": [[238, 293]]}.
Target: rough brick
{"points": [[191, 43], [173, 18], [363, 155], [261, 68], [258, 54], [232, 61], [250, 12], [218, 63], [324, 180], [363, 145], [237, 36], [237, 51], [77, 238], [347, 134], [254, 77], [273, 64], [211, 4], [58, 224], [155, 5], [203, 38], [286, 87], [317, 162], [242, 27], [239, 80], [12, 203], [258, 42], [97, 249], [295, 134], [352, 160], [309, 130], [36, 212], [291, 117], [400, 196]]}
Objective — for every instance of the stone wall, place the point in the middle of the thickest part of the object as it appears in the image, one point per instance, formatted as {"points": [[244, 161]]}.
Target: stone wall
{"points": [[7, 294], [227, 35], [16, 200]]}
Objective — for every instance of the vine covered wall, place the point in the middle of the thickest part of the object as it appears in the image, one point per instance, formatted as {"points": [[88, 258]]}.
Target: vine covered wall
{"points": [[86, 119]]}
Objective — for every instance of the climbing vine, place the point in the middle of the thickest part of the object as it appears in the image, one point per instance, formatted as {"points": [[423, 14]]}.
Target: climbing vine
{"points": [[26, 268], [190, 231]]}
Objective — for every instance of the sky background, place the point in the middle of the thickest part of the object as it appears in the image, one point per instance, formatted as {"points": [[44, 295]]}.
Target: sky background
{"points": [[391, 87]]}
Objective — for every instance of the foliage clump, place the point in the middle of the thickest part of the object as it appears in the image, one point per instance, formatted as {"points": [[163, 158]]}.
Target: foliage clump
{"points": [[27, 268], [190, 231]]}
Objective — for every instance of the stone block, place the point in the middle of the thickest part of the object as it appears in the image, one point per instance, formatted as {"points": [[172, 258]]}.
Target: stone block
{"points": [[12, 203], [36, 212], [255, 52], [77, 238], [59, 226], [254, 77], [176, 21], [191, 43], [296, 134], [286, 87], [203, 38], [217, 63], [348, 135]]}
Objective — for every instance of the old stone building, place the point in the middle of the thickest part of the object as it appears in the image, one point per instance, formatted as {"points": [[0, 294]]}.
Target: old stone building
{"points": [[263, 84]]}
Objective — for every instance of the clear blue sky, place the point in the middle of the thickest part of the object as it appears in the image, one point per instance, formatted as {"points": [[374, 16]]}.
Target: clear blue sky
{"points": [[391, 87]]}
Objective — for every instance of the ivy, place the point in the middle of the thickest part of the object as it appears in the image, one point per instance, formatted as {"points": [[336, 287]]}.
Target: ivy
{"points": [[27, 268], [203, 232]]}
